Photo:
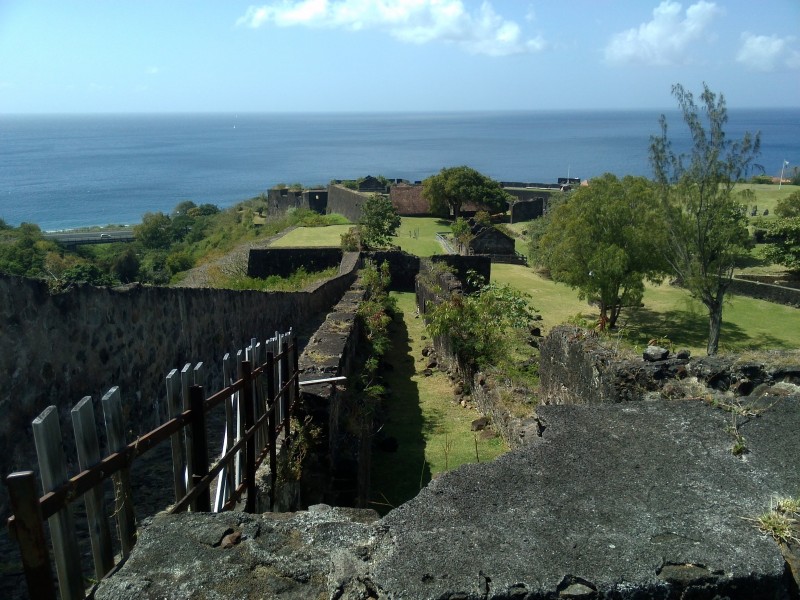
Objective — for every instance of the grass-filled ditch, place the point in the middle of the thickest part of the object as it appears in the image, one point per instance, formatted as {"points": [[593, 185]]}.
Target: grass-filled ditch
{"points": [[432, 431]]}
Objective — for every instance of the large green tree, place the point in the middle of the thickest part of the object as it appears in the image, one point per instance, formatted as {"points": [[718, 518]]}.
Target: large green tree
{"points": [[379, 221], [604, 242], [452, 187], [705, 224]]}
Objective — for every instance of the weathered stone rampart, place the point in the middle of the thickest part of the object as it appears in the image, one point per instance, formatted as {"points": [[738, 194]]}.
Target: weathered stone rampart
{"points": [[346, 202], [60, 348], [265, 262], [780, 294]]}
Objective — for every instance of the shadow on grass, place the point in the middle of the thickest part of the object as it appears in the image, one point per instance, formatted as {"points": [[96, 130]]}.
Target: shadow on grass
{"points": [[689, 328], [398, 476]]}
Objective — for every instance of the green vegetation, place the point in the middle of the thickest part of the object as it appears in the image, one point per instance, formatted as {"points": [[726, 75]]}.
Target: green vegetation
{"points": [[432, 430], [604, 242], [417, 235], [165, 245], [298, 280], [378, 224], [453, 187], [480, 326], [705, 225], [312, 237]]}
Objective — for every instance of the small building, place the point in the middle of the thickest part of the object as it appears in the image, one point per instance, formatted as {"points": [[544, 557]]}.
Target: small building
{"points": [[371, 184], [490, 240]]}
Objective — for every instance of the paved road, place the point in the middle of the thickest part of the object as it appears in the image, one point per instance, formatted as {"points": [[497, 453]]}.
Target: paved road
{"points": [[92, 237]]}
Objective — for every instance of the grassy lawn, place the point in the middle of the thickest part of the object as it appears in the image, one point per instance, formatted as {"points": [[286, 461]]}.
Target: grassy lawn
{"points": [[767, 195], [433, 432], [668, 313], [331, 235], [417, 235]]}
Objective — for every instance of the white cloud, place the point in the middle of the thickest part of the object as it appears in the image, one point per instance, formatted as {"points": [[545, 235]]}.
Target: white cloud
{"points": [[764, 53], [412, 21], [666, 39]]}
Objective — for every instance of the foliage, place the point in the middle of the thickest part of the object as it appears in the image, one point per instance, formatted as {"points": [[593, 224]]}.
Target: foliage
{"points": [[298, 280], [705, 225], [87, 273], [452, 187], [24, 253], [478, 325], [351, 240], [784, 246], [126, 266], [604, 242], [763, 179], [537, 228], [789, 206], [462, 231], [155, 231], [379, 221]]}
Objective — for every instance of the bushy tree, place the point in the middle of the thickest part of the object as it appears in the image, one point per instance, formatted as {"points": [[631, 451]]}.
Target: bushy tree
{"points": [[706, 227], [453, 187], [784, 237], [605, 242], [379, 221], [479, 325], [789, 206], [155, 231]]}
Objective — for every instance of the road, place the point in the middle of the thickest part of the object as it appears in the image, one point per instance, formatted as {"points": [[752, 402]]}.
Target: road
{"points": [[91, 237]]}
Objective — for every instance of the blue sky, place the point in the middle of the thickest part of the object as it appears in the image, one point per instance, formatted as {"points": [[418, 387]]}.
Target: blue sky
{"points": [[93, 56]]}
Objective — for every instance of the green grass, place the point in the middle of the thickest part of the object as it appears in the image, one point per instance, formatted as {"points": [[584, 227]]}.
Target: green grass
{"points": [[421, 414], [669, 313], [330, 235], [417, 235], [767, 195]]}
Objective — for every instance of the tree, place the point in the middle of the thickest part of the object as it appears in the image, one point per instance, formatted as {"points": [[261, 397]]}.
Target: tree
{"points": [[155, 231], [705, 225], [784, 238], [452, 187], [789, 206], [379, 221], [604, 242]]}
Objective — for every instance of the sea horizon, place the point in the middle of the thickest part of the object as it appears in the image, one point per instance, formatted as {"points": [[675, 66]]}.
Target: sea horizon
{"points": [[73, 170]]}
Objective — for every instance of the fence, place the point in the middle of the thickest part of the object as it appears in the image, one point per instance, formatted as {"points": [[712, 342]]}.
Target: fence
{"points": [[261, 389]]}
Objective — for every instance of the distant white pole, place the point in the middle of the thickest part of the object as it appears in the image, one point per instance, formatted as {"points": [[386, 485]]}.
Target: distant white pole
{"points": [[783, 166]]}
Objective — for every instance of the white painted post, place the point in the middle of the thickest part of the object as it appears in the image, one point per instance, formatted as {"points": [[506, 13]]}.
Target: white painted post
{"points": [[53, 470], [88, 446], [115, 430], [176, 439], [186, 382]]}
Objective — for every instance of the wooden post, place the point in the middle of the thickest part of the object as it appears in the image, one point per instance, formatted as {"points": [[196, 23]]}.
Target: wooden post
{"points": [[272, 438], [115, 430], [29, 534], [187, 380], [225, 479], [250, 446], [296, 369], [176, 439], [53, 470], [83, 424], [202, 503], [287, 393], [240, 424]]}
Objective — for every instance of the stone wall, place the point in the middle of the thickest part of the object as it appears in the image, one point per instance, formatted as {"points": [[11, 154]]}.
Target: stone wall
{"points": [[60, 348], [264, 262], [526, 210], [764, 291], [279, 200], [346, 202], [577, 366]]}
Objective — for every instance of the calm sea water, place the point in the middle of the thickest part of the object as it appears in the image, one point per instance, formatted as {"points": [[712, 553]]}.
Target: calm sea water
{"points": [[72, 171]]}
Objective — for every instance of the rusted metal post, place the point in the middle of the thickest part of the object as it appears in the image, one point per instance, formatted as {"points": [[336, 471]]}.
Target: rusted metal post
{"points": [[250, 446], [202, 503], [29, 533], [272, 438], [286, 395], [296, 368]]}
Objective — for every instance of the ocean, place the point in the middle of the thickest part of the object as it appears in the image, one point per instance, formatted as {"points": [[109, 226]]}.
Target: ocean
{"points": [[63, 172]]}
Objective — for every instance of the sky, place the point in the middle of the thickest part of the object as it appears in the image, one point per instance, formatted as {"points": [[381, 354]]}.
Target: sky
{"points": [[155, 56]]}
